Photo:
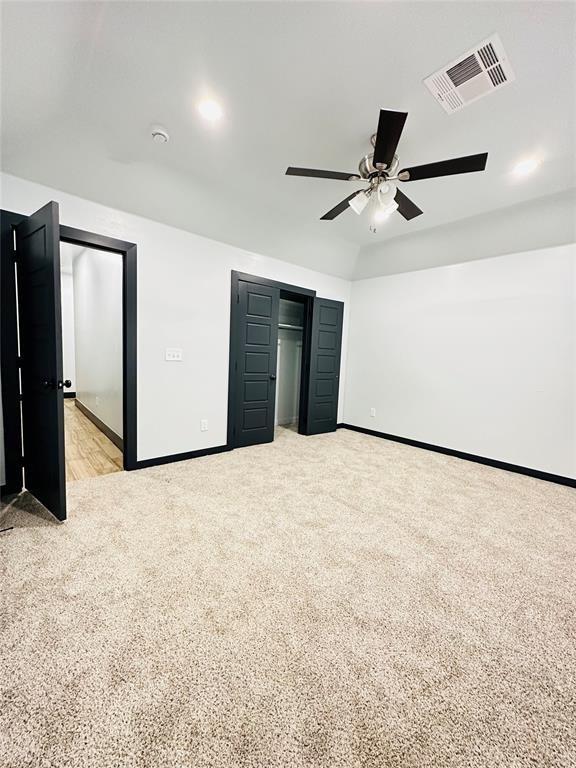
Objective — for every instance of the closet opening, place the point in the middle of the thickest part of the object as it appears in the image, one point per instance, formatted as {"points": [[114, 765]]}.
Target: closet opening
{"points": [[289, 363], [285, 347]]}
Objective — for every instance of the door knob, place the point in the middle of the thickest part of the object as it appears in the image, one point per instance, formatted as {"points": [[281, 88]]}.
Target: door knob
{"points": [[51, 384], [273, 376]]}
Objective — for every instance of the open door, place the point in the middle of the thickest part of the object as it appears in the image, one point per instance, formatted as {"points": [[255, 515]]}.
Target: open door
{"points": [[326, 345], [40, 316], [255, 375]]}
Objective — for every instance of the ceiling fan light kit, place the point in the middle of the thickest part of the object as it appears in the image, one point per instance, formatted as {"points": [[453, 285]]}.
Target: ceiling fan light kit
{"points": [[360, 202], [379, 169], [386, 194]]}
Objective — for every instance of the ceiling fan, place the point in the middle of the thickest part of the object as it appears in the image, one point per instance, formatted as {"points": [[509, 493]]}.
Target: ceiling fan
{"points": [[380, 170]]}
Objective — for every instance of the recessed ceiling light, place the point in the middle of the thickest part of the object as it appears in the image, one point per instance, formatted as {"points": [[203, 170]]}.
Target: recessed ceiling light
{"points": [[526, 167], [210, 110]]}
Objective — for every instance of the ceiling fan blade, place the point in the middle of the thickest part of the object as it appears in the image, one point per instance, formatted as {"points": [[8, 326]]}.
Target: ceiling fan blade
{"points": [[390, 126], [340, 208], [406, 207], [467, 164], [315, 173]]}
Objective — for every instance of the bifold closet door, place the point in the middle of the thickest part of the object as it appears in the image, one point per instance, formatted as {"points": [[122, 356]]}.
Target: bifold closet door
{"points": [[40, 313], [256, 354], [325, 351]]}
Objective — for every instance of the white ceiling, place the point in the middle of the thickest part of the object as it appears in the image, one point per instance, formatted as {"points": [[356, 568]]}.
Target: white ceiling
{"points": [[301, 84]]}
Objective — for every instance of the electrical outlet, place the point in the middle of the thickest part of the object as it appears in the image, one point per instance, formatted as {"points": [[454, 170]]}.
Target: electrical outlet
{"points": [[372, 412], [204, 425], [174, 354], [97, 400]]}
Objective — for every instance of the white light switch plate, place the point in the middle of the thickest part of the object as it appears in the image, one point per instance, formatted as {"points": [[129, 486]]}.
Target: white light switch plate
{"points": [[174, 354]]}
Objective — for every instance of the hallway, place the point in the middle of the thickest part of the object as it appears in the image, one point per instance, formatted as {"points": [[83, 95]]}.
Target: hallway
{"points": [[89, 452]]}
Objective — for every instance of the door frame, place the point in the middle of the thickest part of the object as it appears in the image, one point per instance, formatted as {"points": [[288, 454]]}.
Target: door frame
{"points": [[287, 291], [9, 359], [128, 251]]}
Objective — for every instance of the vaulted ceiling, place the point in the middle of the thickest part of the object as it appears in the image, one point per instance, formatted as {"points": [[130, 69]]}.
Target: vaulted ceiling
{"points": [[301, 84]]}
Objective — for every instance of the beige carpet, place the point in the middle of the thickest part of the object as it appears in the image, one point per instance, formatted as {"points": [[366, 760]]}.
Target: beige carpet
{"points": [[334, 601]]}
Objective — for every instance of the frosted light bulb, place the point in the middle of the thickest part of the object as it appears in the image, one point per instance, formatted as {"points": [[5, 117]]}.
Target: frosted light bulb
{"points": [[359, 202]]}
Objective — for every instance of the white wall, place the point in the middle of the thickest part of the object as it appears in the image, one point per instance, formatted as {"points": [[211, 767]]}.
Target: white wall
{"points": [[68, 352], [541, 223], [98, 334], [183, 301], [478, 357]]}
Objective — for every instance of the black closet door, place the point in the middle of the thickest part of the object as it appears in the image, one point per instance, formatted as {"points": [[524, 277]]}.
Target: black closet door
{"points": [[256, 354], [325, 353], [40, 312]]}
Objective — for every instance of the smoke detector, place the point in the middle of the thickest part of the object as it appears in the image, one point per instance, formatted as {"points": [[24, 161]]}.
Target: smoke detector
{"points": [[160, 135], [476, 73]]}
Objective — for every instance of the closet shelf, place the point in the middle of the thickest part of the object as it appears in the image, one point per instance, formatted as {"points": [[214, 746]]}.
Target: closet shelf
{"points": [[289, 327]]}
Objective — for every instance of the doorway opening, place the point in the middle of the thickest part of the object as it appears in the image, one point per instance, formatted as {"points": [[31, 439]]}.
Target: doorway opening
{"points": [[105, 391], [33, 380], [91, 289]]}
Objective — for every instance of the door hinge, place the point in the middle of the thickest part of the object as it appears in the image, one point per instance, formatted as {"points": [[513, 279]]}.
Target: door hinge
{"points": [[237, 298], [19, 361], [22, 461], [236, 366]]}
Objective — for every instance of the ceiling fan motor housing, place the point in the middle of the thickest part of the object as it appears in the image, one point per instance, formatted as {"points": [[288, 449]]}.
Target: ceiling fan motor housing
{"points": [[367, 168]]}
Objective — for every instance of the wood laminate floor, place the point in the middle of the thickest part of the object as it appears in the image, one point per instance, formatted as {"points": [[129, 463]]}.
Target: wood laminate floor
{"points": [[89, 452]]}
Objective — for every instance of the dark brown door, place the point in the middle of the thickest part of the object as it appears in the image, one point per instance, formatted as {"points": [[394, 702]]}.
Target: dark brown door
{"points": [[256, 353], [325, 352], [38, 260]]}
